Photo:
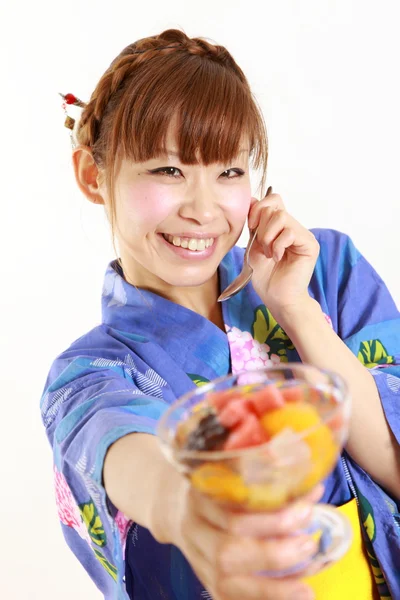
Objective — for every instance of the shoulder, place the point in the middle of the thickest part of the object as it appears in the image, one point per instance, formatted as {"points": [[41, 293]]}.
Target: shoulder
{"points": [[100, 340], [336, 247], [338, 263], [331, 237], [98, 347]]}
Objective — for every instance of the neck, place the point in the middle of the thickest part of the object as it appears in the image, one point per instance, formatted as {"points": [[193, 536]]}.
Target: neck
{"points": [[201, 299]]}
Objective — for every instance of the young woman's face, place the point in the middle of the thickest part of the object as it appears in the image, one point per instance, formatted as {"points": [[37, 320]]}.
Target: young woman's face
{"points": [[175, 222]]}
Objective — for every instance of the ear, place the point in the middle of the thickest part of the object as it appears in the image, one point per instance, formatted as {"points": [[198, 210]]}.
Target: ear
{"points": [[87, 175]]}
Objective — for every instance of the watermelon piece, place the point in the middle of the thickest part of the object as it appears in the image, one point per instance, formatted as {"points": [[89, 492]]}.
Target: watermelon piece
{"points": [[293, 394], [267, 399], [235, 412], [220, 399], [246, 434]]}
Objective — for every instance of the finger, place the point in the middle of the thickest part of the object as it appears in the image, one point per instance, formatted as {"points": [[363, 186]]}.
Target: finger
{"points": [[255, 588], [244, 556], [262, 524], [284, 240], [258, 207], [270, 226], [297, 516], [211, 512], [207, 536], [315, 494], [265, 217], [255, 200], [294, 517], [273, 200]]}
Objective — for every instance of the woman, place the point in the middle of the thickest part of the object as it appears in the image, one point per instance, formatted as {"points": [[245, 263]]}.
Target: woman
{"points": [[165, 144]]}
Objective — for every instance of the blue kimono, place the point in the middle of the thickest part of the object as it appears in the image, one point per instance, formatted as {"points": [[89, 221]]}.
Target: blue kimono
{"points": [[121, 376]]}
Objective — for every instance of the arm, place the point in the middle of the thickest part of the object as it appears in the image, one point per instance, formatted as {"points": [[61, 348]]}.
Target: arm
{"points": [[89, 404], [284, 258], [99, 427], [158, 485]]}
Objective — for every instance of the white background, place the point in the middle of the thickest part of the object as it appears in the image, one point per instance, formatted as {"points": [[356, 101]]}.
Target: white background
{"points": [[326, 74]]}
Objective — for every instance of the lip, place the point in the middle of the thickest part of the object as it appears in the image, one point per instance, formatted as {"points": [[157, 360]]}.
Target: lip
{"points": [[194, 235], [187, 254]]}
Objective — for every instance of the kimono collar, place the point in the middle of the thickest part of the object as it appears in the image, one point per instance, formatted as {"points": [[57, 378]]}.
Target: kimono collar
{"points": [[145, 316]]}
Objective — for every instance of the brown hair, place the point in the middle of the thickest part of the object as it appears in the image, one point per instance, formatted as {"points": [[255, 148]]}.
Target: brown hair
{"points": [[171, 76]]}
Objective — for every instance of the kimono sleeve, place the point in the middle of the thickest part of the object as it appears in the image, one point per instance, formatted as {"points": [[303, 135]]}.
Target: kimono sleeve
{"points": [[89, 404], [368, 321]]}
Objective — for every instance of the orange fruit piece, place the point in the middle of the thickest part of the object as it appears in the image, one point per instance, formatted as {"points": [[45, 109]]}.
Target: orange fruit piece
{"points": [[219, 482], [299, 416], [324, 453], [324, 450], [267, 496]]}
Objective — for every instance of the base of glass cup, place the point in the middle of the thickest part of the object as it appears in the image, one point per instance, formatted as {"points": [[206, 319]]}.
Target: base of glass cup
{"points": [[335, 537]]}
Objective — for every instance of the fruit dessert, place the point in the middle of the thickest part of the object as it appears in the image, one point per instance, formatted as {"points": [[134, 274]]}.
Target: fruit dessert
{"points": [[267, 445]]}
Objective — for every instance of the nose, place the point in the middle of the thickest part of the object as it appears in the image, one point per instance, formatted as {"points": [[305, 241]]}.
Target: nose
{"points": [[201, 206]]}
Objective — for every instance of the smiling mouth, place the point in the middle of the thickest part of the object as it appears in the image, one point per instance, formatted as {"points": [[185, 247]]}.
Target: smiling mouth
{"points": [[194, 244]]}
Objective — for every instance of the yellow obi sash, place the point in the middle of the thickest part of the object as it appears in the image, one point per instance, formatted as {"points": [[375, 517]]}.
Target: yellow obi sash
{"points": [[351, 577]]}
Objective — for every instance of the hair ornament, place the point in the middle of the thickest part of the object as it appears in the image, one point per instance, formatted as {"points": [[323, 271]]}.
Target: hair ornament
{"points": [[69, 123]]}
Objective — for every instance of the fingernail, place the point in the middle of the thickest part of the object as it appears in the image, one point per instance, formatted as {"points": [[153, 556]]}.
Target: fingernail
{"points": [[307, 547], [299, 514]]}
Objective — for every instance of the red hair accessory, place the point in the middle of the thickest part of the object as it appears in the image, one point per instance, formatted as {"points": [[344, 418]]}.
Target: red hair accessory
{"points": [[70, 99]]}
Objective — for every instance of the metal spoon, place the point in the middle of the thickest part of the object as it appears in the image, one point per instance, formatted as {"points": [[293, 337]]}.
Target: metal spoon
{"points": [[245, 275]]}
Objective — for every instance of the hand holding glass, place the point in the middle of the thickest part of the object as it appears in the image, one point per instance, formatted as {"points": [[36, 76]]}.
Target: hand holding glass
{"points": [[306, 434]]}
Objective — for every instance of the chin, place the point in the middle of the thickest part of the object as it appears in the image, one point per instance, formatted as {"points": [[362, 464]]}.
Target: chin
{"points": [[182, 280]]}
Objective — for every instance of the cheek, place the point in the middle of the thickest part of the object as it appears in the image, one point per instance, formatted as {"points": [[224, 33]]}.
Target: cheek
{"points": [[144, 206], [237, 206]]}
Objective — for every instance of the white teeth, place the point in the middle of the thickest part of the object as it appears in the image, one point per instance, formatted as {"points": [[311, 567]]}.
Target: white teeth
{"points": [[194, 244]]}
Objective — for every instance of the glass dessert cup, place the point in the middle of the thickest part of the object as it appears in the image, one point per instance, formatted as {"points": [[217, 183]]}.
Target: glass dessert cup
{"points": [[302, 412]]}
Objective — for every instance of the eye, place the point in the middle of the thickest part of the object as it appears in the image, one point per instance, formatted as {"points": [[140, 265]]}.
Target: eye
{"points": [[232, 173], [168, 171]]}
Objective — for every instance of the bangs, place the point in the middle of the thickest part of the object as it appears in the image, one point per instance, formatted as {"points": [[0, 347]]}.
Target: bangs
{"points": [[213, 109]]}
